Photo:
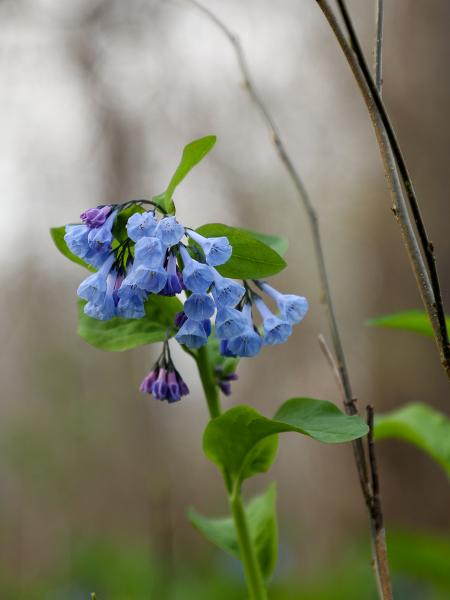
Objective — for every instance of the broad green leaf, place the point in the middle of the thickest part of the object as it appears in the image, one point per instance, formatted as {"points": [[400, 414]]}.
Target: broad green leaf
{"points": [[251, 258], [421, 426], [192, 155], [278, 243], [409, 320], [262, 522], [57, 234], [232, 440], [122, 334]]}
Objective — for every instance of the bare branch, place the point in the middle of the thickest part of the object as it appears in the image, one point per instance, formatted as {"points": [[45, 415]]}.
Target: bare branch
{"points": [[339, 365], [382, 564], [378, 46], [427, 277]]}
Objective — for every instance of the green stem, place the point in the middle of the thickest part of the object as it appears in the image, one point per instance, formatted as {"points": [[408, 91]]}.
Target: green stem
{"points": [[255, 583]]}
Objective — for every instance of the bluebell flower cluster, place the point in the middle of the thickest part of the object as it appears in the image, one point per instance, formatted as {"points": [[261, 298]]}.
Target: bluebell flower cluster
{"points": [[161, 256]]}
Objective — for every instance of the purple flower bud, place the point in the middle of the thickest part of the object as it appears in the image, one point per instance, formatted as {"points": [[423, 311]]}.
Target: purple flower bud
{"points": [[225, 387], [180, 319], [159, 387], [149, 380], [95, 217], [174, 392]]}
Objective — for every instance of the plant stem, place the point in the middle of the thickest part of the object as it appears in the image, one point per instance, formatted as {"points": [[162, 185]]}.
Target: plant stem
{"points": [[255, 583], [208, 383]]}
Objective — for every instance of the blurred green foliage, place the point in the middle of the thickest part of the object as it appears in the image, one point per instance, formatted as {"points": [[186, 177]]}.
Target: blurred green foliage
{"points": [[128, 572]]}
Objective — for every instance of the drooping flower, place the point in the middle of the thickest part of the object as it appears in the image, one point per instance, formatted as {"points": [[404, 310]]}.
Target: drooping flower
{"points": [[248, 342], [76, 238], [226, 292], [100, 238], [276, 331], [197, 276], [149, 252], [169, 231], [95, 217], [217, 250], [199, 307], [98, 290], [230, 322], [292, 308], [192, 334], [141, 225], [131, 300], [174, 283]]}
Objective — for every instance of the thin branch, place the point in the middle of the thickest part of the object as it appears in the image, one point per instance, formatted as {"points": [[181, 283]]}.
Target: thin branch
{"points": [[382, 565], [340, 363], [378, 46], [432, 296]]}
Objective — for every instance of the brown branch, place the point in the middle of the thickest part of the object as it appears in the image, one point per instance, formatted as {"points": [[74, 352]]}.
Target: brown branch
{"points": [[339, 363], [382, 564], [378, 46], [355, 56]]}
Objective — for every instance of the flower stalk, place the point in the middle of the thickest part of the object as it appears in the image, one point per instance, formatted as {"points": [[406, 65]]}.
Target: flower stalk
{"points": [[254, 579]]}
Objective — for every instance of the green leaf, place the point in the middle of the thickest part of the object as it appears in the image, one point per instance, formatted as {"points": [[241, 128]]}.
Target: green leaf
{"points": [[57, 234], [122, 334], [251, 258], [278, 243], [234, 441], [421, 426], [409, 320], [192, 155], [262, 522]]}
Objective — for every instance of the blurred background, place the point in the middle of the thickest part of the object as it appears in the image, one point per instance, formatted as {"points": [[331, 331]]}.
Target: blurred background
{"points": [[98, 97]]}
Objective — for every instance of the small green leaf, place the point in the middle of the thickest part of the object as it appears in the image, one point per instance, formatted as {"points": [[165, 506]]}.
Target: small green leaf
{"points": [[192, 155], [421, 426], [262, 522], [409, 320], [251, 258], [278, 243], [122, 334], [234, 440], [58, 234]]}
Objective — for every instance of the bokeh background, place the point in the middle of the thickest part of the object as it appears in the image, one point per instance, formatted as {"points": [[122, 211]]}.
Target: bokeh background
{"points": [[98, 97]]}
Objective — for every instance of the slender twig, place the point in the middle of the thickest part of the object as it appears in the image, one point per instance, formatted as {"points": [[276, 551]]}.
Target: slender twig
{"points": [[348, 399], [378, 46], [428, 279], [377, 513]]}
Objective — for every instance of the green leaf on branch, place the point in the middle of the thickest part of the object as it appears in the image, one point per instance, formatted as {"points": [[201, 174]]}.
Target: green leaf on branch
{"points": [[119, 334], [58, 234], [262, 523], [409, 320], [251, 258], [192, 155], [276, 242], [243, 442], [420, 425]]}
